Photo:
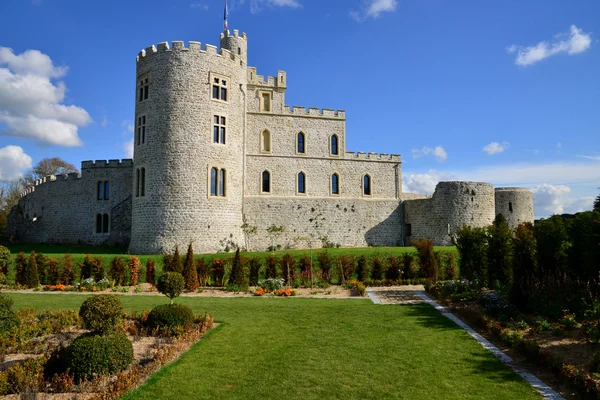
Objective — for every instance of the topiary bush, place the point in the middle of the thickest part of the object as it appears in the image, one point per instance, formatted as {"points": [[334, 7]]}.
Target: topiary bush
{"points": [[286, 263], [68, 274], [238, 279], [116, 271], [30, 275], [21, 265], [325, 265], [171, 284], [362, 269], [5, 301], [4, 260], [92, 354], [170, 319], [42, 267], [202, 271], [53, 272], [271, 266], [377, 268], [427, 261], [393, 271], [150, 272], [190, 274], [254, 265], [102, 313], [217, 266], [134, 268]]}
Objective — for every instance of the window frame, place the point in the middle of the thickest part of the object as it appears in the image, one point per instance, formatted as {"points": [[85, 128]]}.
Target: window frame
{"points": [[331, 192], [215, 81], [370, 194], [304, 146], [102, 190], [298, 192], [143, 87], [261, 103], [140, 182], [141, 129], [102, 224], [337, 145], [262, 179], [219, 122], [263, 148], [220, 182]]}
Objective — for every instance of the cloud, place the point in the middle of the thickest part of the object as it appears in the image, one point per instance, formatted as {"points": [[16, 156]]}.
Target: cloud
{"points": [[200, 6], [128, 125], [13, 163], [496, 147], [595, 158], [577, 42], [553, 199], [127, 148], [257, 5], [439, 152], [31, 103], [373, 9], [104, 122], [424, 183]]}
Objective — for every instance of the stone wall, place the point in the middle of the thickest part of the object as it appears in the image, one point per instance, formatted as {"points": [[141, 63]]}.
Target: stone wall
{"points": [[349, 222], [452, 205], [515, 204], [63, 209]]}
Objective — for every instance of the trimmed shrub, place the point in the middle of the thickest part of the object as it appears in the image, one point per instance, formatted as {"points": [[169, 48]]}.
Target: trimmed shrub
{"points": [[439, 259], [524, 266], [362, 269], [451, 271], [218, 271], [21, 265], [167, 262], [202, 271], [346, 265], [286, 264], [68, 274], [53, 272], [238, 278], [407, 266], [171, 284], [427, 261], [176, 263], [361, 290], [304, 264], [500, 252], [134, 268], [8, 318], [92, 354], [102, 313], [4, 259], [97, 268], [150, 272], [30, 275], [42, 266], [325, 264], [170, 319], [6, 301], [116, 271], [189, 270], [270, 266], [393, 271], [471, 244], [86, 267], [376, 268], [254, 265]]}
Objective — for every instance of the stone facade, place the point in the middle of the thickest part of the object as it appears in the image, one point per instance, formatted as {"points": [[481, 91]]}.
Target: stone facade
{"points": [[203, 117], [516, 204]]}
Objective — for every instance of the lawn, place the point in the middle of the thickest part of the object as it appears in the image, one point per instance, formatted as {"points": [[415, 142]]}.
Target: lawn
{"points": [[273, 348]]}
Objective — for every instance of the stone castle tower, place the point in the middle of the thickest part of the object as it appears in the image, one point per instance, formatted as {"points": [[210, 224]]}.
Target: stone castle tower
{"points": [[192, 92]]}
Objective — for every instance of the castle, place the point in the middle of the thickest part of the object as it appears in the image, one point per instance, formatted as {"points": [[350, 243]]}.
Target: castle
{"points": [[221, 160]]}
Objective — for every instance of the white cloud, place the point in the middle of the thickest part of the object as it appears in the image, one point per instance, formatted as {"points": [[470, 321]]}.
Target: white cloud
{"points": [[257, 5], [595, 158], [104, 122], [559, 145], [496, 147], [30, 102], [128, 125], [576, 43], [424, 183], [200, 6], [373, 9], [554, 199], [127, 148], [13, 163], [438, 152]]}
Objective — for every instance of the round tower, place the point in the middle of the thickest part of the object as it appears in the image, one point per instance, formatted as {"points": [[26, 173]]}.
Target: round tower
{"points": [[236, 44], [188, 148], [515, 204]]}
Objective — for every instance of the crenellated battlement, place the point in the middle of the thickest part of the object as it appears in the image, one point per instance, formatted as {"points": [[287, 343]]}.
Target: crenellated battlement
{"points": [[278, 81], [125, 163], [50, 179], [315, 112], [179, 46], [236, 34], [372, 156]]}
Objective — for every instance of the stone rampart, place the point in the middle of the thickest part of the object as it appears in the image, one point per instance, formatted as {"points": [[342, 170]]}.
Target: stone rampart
{"points": [[515, 204]]}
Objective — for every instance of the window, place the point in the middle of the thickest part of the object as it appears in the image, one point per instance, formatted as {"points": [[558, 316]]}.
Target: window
{"points": [[408, 229], [301, 183], [335, 184], [300, 143], [367, 185], [140, 182], [218, 185], [265, 101], [219, 88], [239, 50], [334, 145], [141, 130], [265, 141], [143, 89], [103, 192], [510, 206], [102, 223], [219, 129], [266, 182]]}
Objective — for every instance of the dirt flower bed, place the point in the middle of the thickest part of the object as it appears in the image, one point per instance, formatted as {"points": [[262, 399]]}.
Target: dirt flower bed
{"points": [[28, 353]]}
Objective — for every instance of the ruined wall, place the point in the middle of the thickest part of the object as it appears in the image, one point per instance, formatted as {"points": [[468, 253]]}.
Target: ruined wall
{"points": [[515, 204], [452, 205], [349, 222], [63, 209]]}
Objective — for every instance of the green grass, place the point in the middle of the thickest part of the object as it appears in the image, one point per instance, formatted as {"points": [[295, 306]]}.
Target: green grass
{"points": [[274, 348]]}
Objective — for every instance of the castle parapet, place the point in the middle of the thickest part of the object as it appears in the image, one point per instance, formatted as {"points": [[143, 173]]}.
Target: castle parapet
{"points": [[278, 81], [350, 155], [236, 33], [178, 46], [125, 163], [315, 112]]}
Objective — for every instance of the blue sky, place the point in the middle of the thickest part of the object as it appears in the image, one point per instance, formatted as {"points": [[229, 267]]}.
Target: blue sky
{"points": [[501, 91]]}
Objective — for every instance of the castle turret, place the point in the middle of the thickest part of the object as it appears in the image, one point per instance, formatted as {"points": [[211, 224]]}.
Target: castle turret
{"points": [[515, 204], [236, 44], [188, 147]]}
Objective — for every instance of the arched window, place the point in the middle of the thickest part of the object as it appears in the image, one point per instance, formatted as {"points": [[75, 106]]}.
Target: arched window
{"points": [[367, 185], [266, 182], [301, 182], [100, 190], [218, 182], [222, 176], [103, 192], [335, 184], [105, 222], [334, 145], [213, 181], [106, 190], [102, 223], [140, 183], [98, 223], [137, 182], [265, 141], [301, 145], [143, 183]]}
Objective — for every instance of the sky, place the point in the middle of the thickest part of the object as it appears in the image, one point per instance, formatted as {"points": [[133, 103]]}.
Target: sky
{"points": [[506, 92]]}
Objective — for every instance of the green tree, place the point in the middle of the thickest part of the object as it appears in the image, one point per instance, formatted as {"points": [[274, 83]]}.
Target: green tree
{"points": [[31, 278], [471, 244], [427, 260], [176, 264], [189, 270], [238, 276], [362, 269], [524, 266], [21, 265], [500, 251]]}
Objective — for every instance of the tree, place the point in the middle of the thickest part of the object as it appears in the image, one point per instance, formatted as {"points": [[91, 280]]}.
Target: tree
{"points": [[47, 167], [189, 270], [500, 251], [524, 266], [238, 274], [31, 278], [471, 244], [10, 193], [597, 203]]}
